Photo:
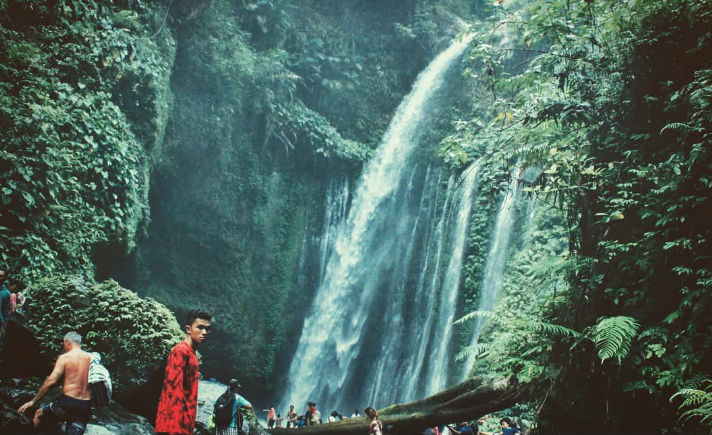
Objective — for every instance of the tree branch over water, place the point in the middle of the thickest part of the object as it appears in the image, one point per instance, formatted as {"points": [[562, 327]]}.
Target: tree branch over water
{"points": [[465, 401]]}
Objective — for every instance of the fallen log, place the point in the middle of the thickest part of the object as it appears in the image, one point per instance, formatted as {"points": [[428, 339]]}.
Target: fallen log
{"points": [[468, 400]]}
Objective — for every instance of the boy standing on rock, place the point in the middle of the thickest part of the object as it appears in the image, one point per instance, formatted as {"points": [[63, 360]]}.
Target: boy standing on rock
{"points": [[178, 404]]}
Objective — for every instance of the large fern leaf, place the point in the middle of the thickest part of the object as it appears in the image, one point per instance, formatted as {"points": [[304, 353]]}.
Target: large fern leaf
{"points": [[697, 402], [613, 336]]}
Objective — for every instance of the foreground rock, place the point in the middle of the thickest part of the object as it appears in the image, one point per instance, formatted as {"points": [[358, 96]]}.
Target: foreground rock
{"points": [[116, 420], [109, 420], [465, 401]]}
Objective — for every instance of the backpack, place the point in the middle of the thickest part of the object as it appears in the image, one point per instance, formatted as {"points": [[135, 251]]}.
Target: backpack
{"points": [[99, 381], [223, 410]]}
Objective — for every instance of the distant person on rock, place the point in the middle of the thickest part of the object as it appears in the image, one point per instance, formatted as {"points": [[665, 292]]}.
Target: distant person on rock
{"points": [[227, 416], [279, 420], [355, 414], [270, 416], [508, 428], [316, 416], [74, 405], [20, 299], [5, 306], [464, 428], [291, 417], [312, 416], [375, 427], [178, 403]]}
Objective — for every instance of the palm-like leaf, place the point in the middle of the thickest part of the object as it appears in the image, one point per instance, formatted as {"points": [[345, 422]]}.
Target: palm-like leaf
{"points": [[613, 336], [697, 401]]}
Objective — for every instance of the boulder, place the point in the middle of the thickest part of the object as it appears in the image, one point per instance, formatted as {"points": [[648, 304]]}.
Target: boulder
{"points": [[13, 423], [21, 356], [116, 420]]}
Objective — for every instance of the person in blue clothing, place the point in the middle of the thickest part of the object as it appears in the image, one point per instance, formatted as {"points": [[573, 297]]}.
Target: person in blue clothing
{"points": [[235, 426], [464, 428], [5, 304], [507, 427]]}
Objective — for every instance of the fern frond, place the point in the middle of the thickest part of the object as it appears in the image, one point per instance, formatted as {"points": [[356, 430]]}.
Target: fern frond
{"points": [[558, 330], [472, 315], [613, 336], [697, 381], [698, 401], [479, 350]]}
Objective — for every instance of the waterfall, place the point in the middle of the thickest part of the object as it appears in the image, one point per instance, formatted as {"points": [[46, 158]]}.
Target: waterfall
{"points": [[438, 374], [425, 297], [349, 351], [494, 266], [337, 198]]}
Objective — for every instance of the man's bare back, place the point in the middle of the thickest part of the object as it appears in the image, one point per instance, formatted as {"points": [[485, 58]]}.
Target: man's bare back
{"points": [[74, 405], [76, 374]]}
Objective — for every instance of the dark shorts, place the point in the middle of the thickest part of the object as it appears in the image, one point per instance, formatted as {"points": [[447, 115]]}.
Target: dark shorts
{"points": [[74, 411]]}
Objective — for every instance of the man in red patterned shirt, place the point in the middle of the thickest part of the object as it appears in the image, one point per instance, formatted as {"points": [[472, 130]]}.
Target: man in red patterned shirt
{"points": [[179, 398]]}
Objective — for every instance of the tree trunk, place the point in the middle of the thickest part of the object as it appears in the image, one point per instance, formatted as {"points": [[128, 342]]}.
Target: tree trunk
{"points": [[463, 402]]}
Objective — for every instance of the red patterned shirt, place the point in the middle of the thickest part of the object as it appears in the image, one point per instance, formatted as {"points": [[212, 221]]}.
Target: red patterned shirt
{"points": [[179, 398]]}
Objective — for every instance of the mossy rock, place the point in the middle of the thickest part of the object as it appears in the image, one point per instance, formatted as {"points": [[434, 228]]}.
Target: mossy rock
{"points": [[131, 333]]}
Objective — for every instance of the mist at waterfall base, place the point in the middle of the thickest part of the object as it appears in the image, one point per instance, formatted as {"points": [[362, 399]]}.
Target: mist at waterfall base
{"points": [[372, 334]]}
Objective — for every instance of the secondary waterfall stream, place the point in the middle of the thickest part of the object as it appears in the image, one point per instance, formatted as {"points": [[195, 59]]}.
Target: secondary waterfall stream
{"points": [[360, 333], [495, 266]]}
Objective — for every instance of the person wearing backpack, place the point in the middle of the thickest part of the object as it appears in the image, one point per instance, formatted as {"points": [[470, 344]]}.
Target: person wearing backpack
{"points": [[226, 411], [74, 404]]}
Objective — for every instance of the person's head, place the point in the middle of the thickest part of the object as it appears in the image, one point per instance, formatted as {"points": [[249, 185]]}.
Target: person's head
{"points": [[334, 413], [371, 413], [279, 415], [233, 385], [197, 326], [291, 407], [3, 276], [71, 340], [505, 422]]}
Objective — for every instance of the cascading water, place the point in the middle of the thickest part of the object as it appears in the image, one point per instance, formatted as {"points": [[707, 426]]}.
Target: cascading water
{"points": [[438, 374], [495, 265], [349, 351], [337, 199]]}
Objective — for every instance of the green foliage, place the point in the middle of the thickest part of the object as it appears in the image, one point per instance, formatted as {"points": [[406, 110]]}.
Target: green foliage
{"points": [[131, 334], [613, 336], [696, 403], [82, 105], [294, 124], [611, 101]]}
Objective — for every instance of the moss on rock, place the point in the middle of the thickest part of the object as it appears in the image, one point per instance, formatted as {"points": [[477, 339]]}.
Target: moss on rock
{"points": [[131, 333]]}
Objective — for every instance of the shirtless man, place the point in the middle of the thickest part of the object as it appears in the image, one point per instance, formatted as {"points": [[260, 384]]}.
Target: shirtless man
{"points": [[74, 405]]}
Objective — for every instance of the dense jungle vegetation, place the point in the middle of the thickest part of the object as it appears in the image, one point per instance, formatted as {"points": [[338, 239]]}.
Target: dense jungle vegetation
{"points": [[184, 148], [612, 101]]}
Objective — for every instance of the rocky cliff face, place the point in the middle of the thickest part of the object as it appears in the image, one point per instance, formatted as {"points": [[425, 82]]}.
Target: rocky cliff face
{"points": [[260, 125], [184, 148]]}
